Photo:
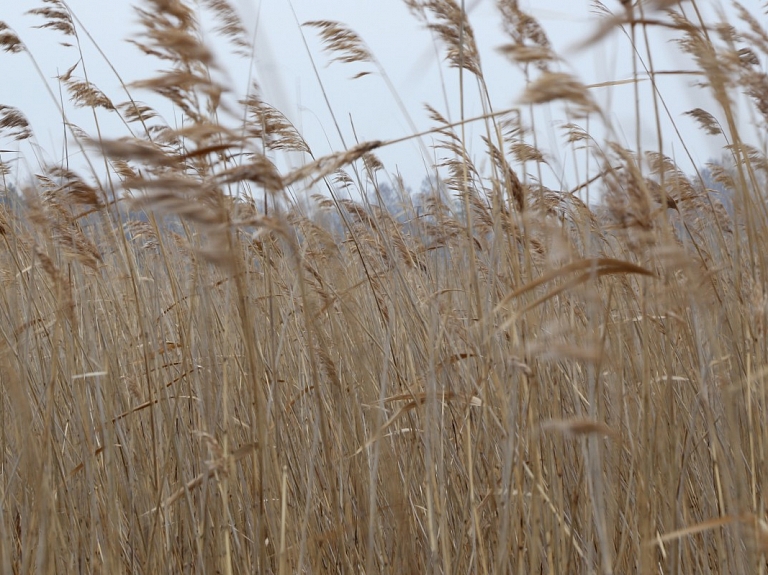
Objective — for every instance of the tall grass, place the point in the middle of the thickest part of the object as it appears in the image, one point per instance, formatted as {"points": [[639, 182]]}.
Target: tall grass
{"points": [[210, 365]]}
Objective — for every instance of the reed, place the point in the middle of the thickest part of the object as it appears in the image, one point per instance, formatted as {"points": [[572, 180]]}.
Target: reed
{"points": [[210, 364]]}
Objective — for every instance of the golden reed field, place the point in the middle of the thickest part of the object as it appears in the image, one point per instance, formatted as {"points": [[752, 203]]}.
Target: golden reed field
{"points": [[212, 364]]}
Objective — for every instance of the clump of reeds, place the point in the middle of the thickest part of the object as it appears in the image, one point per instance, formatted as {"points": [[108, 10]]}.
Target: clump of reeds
{"points": [[209, 364]]}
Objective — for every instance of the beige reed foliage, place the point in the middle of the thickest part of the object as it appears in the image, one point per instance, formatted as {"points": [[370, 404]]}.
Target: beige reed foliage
{"points": [[209, 364]]}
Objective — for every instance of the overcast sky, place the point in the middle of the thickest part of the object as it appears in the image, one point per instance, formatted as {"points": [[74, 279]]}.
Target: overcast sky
{"points": [[282, 68]]}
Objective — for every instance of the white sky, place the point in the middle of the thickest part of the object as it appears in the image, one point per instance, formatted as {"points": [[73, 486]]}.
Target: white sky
{"points": [[406, 51]]}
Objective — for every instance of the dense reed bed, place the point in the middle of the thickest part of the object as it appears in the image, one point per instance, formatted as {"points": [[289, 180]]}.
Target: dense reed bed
{"points": [[212, 365]]}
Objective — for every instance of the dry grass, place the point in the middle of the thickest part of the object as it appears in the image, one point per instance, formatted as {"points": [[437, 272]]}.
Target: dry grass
{"points": [[502, 380]]}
